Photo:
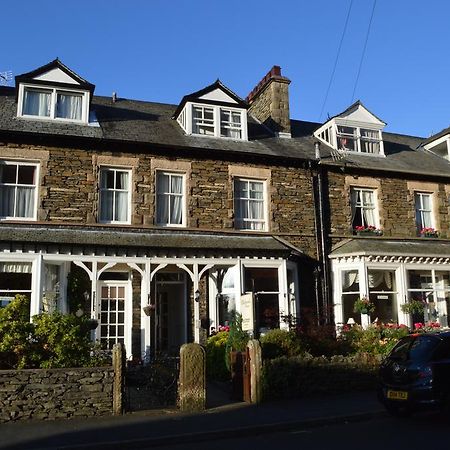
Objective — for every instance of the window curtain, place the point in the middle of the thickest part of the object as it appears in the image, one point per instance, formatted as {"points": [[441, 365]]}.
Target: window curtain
{"points": [[15, 267], [368, 208], [369, 141], [121, 197], [106, 205], [69, 106], [7, 201], [176, 188], [25, 201], [349, 278], [36, 103]]}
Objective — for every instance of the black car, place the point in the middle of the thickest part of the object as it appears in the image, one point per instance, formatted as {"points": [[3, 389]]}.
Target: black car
{"points": [[416, 374]]}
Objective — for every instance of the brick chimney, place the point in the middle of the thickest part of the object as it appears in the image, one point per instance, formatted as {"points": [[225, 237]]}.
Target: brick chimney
{"points": [[269, 102]]}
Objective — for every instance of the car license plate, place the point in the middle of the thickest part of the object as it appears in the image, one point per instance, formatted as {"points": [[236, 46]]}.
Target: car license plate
{"points": [[397, 395]]}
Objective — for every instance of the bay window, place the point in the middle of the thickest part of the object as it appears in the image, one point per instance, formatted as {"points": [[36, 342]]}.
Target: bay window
{"points": [[114, 195], [18, 186], [170, 199]]}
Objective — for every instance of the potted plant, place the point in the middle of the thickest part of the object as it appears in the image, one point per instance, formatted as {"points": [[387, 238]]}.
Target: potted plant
{"points": [[148, 309], [363, 306], [429, 232], [369, 230], [413, 307]]}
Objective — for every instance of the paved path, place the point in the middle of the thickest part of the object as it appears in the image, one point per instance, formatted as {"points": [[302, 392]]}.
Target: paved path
{"points": [[169, 426]]}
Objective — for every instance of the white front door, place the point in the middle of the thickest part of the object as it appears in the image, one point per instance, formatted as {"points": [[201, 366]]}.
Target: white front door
{"points": [[114, 314]]}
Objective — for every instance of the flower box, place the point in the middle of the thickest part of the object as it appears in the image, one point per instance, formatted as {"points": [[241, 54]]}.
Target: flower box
{"points": [[367, 231], [429, 233]]}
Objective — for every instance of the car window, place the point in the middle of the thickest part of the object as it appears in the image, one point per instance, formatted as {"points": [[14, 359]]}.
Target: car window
{"points": [[417, 348], [423, 347]]}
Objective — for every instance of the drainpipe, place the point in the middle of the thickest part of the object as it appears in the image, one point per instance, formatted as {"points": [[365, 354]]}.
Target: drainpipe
{"points": [[322, 231]]}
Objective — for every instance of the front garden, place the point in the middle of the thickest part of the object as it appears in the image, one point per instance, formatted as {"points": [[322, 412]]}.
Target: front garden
{"points": [[305, 361]]}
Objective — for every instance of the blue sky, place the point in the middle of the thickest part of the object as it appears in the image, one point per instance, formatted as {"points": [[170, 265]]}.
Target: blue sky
{"points": [[160, 50]]}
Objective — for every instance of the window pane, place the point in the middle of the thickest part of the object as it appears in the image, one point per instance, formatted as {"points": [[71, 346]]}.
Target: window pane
{"points": [[24, 202], [162, 183], [68, 106], [36, 103], [106, 205], [26, 174], [121, 206], [7, 201], [8, 173], [121, 180], [176, 184]]}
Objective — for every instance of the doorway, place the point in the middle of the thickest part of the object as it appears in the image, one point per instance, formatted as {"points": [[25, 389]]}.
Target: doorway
{"points": [[170, 328]]}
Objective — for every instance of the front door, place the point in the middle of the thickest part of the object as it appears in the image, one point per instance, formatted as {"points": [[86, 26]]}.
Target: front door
{"points": [[171, 313], [113, 305]]}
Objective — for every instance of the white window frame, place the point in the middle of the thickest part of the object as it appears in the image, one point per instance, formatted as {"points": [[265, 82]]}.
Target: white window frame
{"points": [[202, 122], [358, 138], [35, 186], [363, 206], [421, 210], [53, 91], [186, 120], [265, 219], [115, 169], [170, 174]]}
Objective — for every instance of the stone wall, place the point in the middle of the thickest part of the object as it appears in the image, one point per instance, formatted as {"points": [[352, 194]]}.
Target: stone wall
{"points": [[395, 202], [55, 393], [68, 191]]}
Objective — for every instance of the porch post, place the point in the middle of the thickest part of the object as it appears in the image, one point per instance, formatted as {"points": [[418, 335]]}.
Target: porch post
{"points": [[283, 297], [36, 289]]}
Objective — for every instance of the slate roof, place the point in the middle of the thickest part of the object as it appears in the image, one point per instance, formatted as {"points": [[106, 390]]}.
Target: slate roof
{"points": [[148, 123], [189, 243], [426, 247]]}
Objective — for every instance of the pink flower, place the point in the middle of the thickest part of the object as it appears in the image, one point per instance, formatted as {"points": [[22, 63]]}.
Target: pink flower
{"points": [[418, 325]]}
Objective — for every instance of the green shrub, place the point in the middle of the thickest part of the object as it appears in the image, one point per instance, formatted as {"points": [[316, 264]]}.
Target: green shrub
{"points": [[16, 334], [276, 343], [63, 340], [216, 367], [49, 341]]}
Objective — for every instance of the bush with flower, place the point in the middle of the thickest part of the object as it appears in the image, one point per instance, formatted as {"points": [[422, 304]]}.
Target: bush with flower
{"points": [[428, 327]]}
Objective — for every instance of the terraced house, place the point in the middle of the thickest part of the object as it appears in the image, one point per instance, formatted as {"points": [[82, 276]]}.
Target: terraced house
{"points": [[171, 217]]}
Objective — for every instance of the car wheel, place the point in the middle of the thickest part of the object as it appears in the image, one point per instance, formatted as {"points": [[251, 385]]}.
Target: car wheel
{"points": [[398, 410]]}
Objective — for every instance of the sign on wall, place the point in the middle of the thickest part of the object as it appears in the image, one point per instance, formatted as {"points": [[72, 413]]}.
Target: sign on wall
{"points": [[247, 312]]}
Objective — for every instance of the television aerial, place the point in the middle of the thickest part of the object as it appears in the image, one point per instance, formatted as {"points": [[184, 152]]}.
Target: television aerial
{"points": [[5, 78]]}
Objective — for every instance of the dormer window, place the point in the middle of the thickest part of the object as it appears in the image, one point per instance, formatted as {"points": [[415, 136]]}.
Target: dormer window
{"points": [[54, 92], [214, 111], [203, 120], [355, 139], [356, 130], [52, 103]]}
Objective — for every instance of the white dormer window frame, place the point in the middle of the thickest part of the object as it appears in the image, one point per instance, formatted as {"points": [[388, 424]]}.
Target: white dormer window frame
{"points": [[206, 120], [352, 136], [55, 98], [358, 138]]}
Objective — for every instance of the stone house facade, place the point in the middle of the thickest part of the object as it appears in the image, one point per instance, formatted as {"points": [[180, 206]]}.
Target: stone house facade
{"points": [[172, 217]]}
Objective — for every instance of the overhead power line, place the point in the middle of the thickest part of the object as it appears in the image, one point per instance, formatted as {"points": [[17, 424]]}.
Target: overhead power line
{"points": [[363, 52], [336, 60]]}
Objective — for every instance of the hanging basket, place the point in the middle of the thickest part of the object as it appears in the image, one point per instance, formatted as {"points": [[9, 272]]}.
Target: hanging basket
{"points": [[148, 309]]}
